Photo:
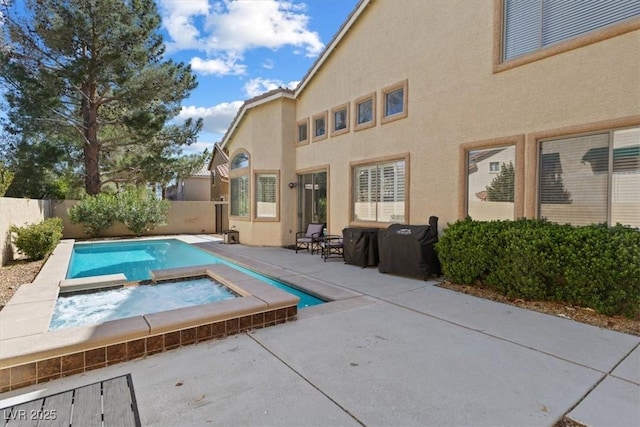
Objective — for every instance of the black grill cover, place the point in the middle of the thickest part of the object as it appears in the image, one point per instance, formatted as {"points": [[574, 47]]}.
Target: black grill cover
{"points": [[360, 246], [408, 250]]}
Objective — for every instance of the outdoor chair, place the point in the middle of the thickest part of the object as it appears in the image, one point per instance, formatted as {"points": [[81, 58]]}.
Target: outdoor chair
{"points": [[331, 245], [310, 239]]}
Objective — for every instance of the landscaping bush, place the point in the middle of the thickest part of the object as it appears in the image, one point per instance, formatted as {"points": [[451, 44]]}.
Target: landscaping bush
{"points": [[38, 240], [140, 210], [95, 213], [594, 266]]}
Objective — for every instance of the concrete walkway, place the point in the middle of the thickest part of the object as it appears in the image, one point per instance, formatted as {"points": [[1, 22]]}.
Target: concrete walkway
{"points": [[398, 352]]}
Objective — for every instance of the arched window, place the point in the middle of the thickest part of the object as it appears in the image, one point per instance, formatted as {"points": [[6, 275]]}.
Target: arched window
{"points": [[239, 188]]}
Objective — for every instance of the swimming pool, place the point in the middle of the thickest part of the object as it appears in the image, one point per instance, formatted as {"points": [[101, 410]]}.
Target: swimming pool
{"points": [[137, 259]]}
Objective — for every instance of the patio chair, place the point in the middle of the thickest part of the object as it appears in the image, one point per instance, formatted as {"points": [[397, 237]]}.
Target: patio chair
{"points": [[331, 245], [310, 239]]}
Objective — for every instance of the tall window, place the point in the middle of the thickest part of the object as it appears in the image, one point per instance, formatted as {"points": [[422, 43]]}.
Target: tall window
{"points": [[239, 188], [530, 25], [267, 195], [379, 192], [491, 183], [591, 179]]}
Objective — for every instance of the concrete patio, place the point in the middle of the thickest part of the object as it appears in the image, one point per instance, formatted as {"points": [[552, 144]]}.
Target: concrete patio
{"points": [[393, 351]]}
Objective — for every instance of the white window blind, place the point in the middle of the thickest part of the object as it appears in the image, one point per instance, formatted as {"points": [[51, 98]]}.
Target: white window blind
{"points": [[530, 25], [380, 192]]}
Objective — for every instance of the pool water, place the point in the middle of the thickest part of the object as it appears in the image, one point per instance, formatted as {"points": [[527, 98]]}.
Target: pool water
{"points": [[101, 306], [136, 260]]}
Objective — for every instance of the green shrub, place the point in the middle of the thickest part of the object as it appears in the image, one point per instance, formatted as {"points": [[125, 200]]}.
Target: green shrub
{"points": [[594, 266], [140, 210], [95, 213], [38, 240]]}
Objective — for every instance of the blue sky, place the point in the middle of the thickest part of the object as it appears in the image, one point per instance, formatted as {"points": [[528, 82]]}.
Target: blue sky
{"points": [[239, 49]]}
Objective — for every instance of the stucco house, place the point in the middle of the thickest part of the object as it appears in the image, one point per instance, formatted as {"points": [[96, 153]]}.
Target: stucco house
{"points": [[415, 105], [196, 187], [219, 167]]}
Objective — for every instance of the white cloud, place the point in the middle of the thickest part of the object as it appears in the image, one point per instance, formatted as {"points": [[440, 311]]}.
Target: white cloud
{"points": [[216, 119], [218, 66], [258, 86], [268, 64], [228, 28]]}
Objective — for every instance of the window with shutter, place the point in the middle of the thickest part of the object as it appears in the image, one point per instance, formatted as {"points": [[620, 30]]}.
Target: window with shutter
{"points": [[379, 193], [531, 25], [591, 179], [266, 195]]}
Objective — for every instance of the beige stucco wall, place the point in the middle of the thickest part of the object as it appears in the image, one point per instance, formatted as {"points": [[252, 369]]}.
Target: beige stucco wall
{"points": [[19, 212], [267, 134], [182, 218], [197, 188], [444, 49]]}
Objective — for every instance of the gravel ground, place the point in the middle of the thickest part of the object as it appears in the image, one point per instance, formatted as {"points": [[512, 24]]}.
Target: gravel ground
{"points": [[21, 273]]}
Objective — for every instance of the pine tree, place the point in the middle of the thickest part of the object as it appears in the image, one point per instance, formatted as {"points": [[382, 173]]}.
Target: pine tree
{"points": [[502, 187], [94, 67]]}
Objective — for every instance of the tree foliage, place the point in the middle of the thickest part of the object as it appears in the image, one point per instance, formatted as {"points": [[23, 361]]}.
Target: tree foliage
{"points": [[93, 71], [502, 187], [6, 177]]}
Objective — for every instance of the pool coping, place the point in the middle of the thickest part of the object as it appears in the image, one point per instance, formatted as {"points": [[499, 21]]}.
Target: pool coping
{"points": [[31, 354]]}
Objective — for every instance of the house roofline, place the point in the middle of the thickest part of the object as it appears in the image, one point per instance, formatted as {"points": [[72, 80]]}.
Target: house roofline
{"points": [[328, 50], [252, 103], [217, 147]]}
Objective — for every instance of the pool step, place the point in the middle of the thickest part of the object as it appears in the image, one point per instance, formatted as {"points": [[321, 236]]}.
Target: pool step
{"points": [[95, 282]]}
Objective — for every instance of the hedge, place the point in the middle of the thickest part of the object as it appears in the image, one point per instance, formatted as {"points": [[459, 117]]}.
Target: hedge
{"points": [[592, 266]]}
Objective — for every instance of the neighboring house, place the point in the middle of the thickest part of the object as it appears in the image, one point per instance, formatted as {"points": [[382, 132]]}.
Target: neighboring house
{"points": [[196, 187], [219, 168], [415, 105]]}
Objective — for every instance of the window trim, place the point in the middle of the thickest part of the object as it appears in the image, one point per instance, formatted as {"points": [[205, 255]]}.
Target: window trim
{"points": [[256, 174], [299, 123], [235, 173], [591, 37], [404, 85], [347, 128], [322, 115], [407, 187], [360, 100], [533, 148], [463, 185]]}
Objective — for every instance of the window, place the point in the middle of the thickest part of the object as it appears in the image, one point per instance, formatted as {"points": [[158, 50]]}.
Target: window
{"points": [[303, 131], [340, 120], [394, 102], [267, 195], [239, 188], [379, 192], [531, 25], [365, 112], [491, 183], [320, 126], [591, 179]]}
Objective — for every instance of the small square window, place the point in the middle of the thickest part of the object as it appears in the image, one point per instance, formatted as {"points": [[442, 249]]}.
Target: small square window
{"points": [[494, 167], [364, 112], [340, 120], [394, 102], [303, 132], [320, 126]]}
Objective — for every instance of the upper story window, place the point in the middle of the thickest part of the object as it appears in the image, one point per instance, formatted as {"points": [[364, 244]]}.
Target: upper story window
{"points": [[303, 131], [365, 112], [531, 25], [340, 120], [320, 126], [241, 160], [394, 102]]}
